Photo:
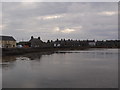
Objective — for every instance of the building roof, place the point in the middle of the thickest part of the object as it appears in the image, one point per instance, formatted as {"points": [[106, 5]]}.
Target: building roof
{"points": [[7, 38], [36, 41]]}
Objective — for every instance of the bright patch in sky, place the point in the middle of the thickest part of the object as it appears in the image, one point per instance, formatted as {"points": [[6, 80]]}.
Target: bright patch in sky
{"points": [[2, 27], [108, 13], [57, 29], [49, 17], [66, 30]]}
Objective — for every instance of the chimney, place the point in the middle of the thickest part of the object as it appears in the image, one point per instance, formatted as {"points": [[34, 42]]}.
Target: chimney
{"points": [[31, 37], [39, 38]]}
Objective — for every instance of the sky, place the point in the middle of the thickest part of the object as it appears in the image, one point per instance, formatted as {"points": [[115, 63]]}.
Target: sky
{"points": [[52, 20]]}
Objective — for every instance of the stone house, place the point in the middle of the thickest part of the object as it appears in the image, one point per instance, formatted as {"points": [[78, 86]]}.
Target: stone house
{"points": [[7, 42], [36, 42]]}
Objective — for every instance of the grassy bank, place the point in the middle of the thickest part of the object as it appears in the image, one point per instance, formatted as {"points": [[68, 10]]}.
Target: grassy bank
{"points": [[20, 51]]}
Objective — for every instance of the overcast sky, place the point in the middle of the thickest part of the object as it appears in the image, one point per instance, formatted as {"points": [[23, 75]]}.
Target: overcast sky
{"points": [[51, 20]]}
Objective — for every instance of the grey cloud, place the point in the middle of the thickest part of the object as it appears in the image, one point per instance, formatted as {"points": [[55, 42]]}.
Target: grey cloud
{"points": [[20, 20]]}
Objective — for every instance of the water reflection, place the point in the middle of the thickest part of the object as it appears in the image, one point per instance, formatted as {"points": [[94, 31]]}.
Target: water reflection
{"points": [[29, 56], [33, 56], [8, 61], [62, 69]]}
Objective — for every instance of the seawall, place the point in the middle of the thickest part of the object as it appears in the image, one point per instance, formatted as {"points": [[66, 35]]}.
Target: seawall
{"points": [[20, 51]]}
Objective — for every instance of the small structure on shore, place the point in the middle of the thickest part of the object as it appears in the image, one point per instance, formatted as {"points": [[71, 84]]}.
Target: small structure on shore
{"points": [[7, 42], [23, 44]]}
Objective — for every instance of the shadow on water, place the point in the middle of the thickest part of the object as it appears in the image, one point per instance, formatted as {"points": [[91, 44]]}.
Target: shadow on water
{"points": [[8, 61], [31, 56]]}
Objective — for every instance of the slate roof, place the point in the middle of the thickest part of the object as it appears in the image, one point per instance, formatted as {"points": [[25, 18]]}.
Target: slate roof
{"points": [[36, 41], [7, 38]]}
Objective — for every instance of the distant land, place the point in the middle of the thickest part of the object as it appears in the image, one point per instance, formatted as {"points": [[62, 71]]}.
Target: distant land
{"points": [[11, 47]]}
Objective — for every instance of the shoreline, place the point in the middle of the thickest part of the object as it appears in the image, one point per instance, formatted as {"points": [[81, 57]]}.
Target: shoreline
{"points": [[22, 51]]}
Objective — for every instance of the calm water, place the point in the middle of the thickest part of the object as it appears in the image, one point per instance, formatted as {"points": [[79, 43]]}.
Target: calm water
{"points": [[95, 68]]}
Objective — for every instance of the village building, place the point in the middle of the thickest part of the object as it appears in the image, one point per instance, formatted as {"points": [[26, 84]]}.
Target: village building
{"points": [[7, 42], [36, 42], [66, 43], [57, 43], [91, 43]]}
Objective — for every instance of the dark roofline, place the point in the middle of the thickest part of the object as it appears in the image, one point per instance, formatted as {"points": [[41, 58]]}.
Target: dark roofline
{"points": [[5, 38]]}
